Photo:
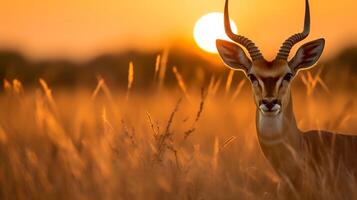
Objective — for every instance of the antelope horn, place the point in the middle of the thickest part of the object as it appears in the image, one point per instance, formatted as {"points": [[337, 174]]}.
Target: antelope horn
{"points": [[253, 50], [291, 41]]}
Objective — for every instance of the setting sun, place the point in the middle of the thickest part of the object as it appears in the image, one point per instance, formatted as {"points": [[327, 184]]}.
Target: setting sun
{"points": [[208, 29]]}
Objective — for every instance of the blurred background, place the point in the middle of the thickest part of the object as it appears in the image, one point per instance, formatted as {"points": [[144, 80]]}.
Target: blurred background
{"points": [[70, 42]]}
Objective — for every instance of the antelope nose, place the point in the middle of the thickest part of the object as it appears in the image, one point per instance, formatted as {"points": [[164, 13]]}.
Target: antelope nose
{"points": [[270, 103]]}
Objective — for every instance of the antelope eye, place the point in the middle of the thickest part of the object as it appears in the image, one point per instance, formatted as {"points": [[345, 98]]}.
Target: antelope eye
{"points": [[252, 78], [288, 76]]}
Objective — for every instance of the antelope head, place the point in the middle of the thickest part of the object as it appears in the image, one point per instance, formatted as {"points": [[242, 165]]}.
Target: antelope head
{"points": [[270, 80]]}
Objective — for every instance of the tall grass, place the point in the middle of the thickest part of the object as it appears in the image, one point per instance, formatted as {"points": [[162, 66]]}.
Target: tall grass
{"points": [[96, 145]]}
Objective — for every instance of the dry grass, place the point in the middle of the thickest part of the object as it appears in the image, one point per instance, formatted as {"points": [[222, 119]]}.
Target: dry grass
{"points": [[130, 79], [97, 145]]}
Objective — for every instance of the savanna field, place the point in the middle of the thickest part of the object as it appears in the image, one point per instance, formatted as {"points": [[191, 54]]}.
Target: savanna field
{"points": [[187, 141]]}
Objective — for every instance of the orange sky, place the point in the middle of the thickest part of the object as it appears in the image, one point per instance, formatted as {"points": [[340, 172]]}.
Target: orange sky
{"points": [[80, 29]]}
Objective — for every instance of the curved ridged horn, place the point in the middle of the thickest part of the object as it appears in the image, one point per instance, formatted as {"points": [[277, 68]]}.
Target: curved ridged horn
{"points": [[253, 50], [291, 41]]}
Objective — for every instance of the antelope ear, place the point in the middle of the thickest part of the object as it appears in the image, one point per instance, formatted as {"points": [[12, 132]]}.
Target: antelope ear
{"points": [[233, 55], [307, 55]]}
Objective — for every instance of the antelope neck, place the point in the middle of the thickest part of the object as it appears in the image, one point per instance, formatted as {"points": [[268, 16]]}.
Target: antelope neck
{"points": [[278, 129]]}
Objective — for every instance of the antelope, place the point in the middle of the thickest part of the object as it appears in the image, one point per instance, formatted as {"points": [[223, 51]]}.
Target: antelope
{"points": [[280, 140]]}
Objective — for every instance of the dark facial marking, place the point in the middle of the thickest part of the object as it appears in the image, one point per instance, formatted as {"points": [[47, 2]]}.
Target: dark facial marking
{"points": [[269, 85]]}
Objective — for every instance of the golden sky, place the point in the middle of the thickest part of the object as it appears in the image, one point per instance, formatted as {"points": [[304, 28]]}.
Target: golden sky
{"points": [[80, 29]]}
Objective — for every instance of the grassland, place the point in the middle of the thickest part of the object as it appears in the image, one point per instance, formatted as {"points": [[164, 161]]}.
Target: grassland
{"points": [[165, 143]]}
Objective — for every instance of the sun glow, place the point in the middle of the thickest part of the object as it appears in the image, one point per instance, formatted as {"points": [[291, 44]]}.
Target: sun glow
{"points": [[208, 29]]}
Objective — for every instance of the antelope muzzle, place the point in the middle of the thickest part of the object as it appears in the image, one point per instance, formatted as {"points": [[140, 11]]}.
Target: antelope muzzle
{"points": [[270, 106]]}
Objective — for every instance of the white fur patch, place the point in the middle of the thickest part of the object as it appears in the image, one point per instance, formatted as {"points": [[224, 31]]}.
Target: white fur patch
{"points": [[270, 128]]}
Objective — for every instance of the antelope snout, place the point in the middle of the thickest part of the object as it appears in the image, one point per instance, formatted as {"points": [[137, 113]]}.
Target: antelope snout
{"points": [[270, 106]]}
